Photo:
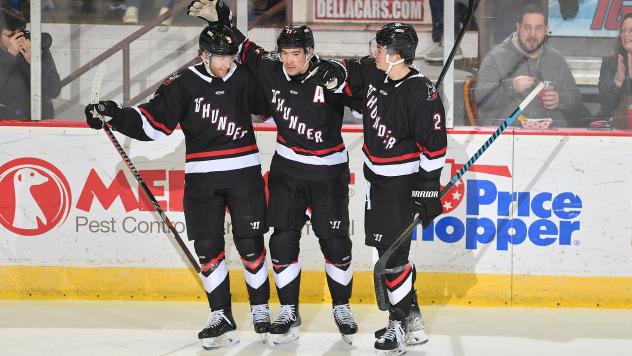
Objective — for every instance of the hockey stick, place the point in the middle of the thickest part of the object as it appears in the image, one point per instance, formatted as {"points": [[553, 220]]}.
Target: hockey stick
{"points": [[94, 99], [379, 270]]}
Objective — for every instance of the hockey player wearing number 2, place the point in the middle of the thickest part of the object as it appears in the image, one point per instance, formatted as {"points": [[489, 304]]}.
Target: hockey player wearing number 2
{"points": [[404, 152], [212, 102], [309, 169]]}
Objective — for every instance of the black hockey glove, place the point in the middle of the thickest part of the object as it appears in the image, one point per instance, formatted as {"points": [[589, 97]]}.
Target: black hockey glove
{"points": [[330, 74], [426, 199], [104, 111], [212, 11]]}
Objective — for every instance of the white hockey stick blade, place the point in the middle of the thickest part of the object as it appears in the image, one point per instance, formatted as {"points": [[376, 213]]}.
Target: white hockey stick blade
{"points": [[531, 95], [97, 81]]}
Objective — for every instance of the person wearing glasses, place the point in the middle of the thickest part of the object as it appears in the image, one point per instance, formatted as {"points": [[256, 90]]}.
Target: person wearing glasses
{"points": [[15, 69], [512, 69]]}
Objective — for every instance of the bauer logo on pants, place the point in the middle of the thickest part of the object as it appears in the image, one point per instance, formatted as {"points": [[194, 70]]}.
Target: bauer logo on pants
{"points": [[36, 196]]}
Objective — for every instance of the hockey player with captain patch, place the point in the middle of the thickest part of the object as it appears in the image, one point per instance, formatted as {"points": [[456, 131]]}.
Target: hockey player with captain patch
{"points": [[404, 153], [212, 102], [309, 170]]}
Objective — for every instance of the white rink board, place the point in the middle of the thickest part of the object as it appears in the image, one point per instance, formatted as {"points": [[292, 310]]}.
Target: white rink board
{"points": [[594, 169]]}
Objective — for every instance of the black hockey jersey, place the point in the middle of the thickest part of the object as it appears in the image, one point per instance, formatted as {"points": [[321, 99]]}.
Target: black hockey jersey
{"points": [[404, 128], [308, 118], [214, 114]]}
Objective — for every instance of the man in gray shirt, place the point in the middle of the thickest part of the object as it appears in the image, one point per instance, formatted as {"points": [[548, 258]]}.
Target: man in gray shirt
{"points": [[512, 68]]}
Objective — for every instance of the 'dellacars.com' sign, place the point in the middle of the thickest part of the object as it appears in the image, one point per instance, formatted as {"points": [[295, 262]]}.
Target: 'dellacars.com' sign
{"points": [[370, 10]]}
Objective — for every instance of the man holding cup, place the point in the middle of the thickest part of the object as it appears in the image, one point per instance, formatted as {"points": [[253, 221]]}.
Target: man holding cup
{"points": [[512, 68]]}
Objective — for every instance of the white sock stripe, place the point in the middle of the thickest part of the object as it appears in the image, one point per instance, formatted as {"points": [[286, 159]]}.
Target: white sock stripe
{"points": [[286, 276], [215, 278], [339, 275], [256, 280], [400, 292]]}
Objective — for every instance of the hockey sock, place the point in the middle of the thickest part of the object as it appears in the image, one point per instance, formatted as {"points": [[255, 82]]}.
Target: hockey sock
{"points": [[337, 252], [284, 249], [214, 272], [253, 257], [399, 285]]}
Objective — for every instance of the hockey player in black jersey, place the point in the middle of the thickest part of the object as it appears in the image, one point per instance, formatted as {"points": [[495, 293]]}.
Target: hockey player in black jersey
{"points": [[404, 151], [212, 102], [309, 170]]}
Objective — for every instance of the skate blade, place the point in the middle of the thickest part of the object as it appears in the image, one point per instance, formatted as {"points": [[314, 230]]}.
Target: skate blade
{"points": [[263, 337], [280, 339], [415, 338], [227, 339], [347, 338], [395, 352]]}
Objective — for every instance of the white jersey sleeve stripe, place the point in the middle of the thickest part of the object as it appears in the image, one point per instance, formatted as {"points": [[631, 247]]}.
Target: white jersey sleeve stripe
{"points": [[149, 130]]}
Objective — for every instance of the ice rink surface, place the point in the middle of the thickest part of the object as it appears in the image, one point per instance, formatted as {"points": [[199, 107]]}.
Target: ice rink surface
{"points": [[112, 328]]}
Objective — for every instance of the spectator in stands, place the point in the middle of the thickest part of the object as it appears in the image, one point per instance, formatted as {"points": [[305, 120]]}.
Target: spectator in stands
{"points": [[616, 71], [131, 13], [511, 70], [434, 52], [15, 72]]}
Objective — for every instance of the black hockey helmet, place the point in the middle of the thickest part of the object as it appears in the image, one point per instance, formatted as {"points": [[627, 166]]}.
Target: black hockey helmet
{"points": [[296, 36], [219, 39], [400, 37]]}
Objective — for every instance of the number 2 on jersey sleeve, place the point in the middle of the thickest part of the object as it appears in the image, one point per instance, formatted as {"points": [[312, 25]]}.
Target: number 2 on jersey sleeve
{"points": [[436, 118]]}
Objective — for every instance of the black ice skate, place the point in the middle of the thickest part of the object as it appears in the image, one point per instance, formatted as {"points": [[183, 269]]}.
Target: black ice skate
{"points": [[391, 341], [415, 334], [220, 330], [260, 316], [285, 328], [344, 321]]}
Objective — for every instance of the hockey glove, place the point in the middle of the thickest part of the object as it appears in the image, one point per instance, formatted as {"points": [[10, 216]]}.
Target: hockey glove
{"points": [[426, 200], [104, 111], [211, 10], [330, 74]]}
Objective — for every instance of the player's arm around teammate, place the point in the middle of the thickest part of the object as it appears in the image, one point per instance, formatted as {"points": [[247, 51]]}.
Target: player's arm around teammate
{"points": [[309, 170]]}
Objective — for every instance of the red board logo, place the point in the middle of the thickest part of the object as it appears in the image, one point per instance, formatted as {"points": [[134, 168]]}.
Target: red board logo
{"points": [[35, 196], [455, 196]]}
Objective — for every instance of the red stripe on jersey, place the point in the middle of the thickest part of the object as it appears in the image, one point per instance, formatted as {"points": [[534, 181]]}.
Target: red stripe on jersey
{"points": [[434, 153], [313, 152], [154, 122], [207, 266], [389, 159], [255, 264], [222, 152], [397, 280], [243, 51], [347, 88]]}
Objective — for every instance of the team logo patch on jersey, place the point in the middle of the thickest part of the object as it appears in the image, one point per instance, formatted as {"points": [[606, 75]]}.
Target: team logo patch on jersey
{"points": [[173, 77], [220, 92], [432, 92], [383, 92], [293, 92]]}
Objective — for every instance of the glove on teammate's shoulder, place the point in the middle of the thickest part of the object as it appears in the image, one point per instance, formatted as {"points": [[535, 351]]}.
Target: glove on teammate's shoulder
{"points": [[212, 11], [330, 74], [426, 200], [104, 111]]}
